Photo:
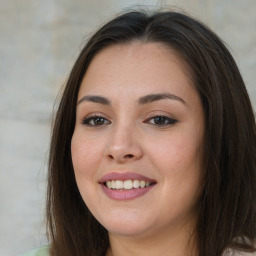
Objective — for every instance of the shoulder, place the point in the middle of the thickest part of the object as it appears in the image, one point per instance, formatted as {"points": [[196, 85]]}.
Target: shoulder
{"points": [[42, 251]]}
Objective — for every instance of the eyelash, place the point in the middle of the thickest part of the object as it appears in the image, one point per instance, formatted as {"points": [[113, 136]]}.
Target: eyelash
{"points": [[167, 120], [88, 119], [164, 120]]}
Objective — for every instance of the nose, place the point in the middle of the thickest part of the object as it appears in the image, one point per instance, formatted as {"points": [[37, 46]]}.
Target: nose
{"points": [[124, 145]]}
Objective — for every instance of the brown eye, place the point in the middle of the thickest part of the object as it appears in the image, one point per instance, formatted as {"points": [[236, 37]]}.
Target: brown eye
{"points": [[95, 121], [162, 121], [98, 121]]}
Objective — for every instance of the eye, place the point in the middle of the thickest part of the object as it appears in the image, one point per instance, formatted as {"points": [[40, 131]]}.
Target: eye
{"points": [[95, 121], [161, 120]]}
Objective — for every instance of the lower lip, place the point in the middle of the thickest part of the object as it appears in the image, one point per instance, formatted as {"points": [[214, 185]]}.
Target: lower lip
{"points": [[125, 194]]}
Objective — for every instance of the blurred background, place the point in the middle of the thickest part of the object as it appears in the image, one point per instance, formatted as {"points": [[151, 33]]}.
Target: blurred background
{"points": [[39, 42]]}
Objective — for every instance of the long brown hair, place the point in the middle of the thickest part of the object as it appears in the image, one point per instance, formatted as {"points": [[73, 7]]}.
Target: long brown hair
{"points": [[228, 205]]}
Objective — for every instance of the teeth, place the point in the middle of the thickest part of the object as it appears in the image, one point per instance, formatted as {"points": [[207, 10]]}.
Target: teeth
{"points": [[136, 184], [127, 184], [113, 184], [119, 184], [109, 184], [142, 184]]}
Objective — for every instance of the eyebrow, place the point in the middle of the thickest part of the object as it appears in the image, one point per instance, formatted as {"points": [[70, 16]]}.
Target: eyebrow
{"points": [[95, 99], [143, 100], [160, 96]]}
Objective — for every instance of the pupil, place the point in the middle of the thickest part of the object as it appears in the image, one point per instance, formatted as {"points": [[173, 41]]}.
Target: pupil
{"points": [[160, 120], [98, 120]]}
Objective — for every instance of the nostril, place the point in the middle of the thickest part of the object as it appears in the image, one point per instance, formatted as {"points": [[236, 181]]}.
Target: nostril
{"points": [[129, 156], [121, 157]]}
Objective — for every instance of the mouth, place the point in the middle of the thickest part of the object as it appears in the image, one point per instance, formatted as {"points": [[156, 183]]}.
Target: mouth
{"points": [[126, 186]]}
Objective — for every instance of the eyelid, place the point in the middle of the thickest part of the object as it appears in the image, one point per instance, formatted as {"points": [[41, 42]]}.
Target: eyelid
{"points": [[159, 113], [155, 114], [171, 120], [94, 115]]}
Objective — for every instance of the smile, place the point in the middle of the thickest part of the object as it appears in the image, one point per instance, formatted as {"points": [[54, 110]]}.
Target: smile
{"points": [[127, 184]]}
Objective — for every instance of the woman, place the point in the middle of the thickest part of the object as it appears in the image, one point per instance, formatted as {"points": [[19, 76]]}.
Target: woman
{"points": [[153, 145]]}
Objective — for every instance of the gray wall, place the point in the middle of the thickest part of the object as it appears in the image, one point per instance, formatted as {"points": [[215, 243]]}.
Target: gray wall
{"points": [[39, 40]]}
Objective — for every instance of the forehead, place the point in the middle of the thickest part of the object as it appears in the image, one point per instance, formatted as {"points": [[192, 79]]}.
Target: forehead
{"points": [[136, 68]]}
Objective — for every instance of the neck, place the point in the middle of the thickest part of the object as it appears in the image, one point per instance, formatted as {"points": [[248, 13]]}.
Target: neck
{"points": [[176, 243]]}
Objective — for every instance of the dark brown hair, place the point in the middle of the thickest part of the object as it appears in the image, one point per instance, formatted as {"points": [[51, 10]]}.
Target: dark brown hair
{"points": [[227, 215]]}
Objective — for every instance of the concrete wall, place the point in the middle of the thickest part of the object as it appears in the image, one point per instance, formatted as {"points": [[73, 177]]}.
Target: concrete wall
{"points": [[39, 40]]}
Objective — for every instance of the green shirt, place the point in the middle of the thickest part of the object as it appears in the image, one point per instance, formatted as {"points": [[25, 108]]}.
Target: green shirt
{"points": [[42, 251]]}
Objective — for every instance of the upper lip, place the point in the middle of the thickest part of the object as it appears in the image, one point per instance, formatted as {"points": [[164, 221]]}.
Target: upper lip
{"points": [[124, 176]]}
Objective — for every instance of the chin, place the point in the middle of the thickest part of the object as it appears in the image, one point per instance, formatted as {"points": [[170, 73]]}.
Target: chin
{"points": [[127, 224], [127, 230]]}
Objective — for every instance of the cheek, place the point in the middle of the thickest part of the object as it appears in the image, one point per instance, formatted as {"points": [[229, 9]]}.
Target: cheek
{"points": [[175, 150], [85, 159], [178, 158], [85, 155]]}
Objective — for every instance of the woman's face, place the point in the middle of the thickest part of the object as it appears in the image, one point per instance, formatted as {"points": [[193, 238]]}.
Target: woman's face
{"points": [[137, 147]]}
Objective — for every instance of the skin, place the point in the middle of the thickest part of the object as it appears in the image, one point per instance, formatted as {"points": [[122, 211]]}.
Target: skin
{"points": [[128, 139]]}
